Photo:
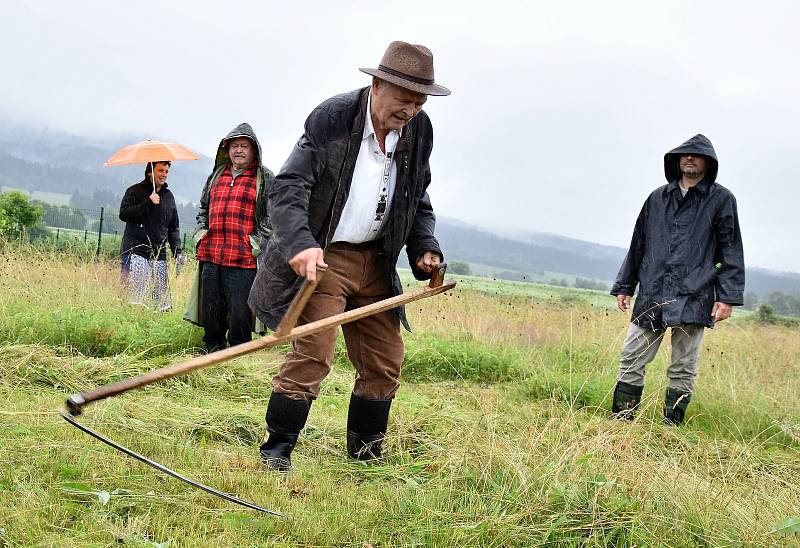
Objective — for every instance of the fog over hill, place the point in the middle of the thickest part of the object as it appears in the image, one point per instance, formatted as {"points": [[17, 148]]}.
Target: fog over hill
{"points": [[52, 161], [34, 158], [533, 253]]}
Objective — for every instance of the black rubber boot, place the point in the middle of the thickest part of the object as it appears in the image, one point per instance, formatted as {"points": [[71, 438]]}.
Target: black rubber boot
{"points": [[675, 404], [626, 400], [215, 347], [285, 419], [366, 426]]}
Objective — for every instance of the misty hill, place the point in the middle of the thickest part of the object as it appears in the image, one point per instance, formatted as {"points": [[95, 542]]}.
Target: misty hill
{"points": [[45, 160], [536, 254], [551, 253], [49, 161]]}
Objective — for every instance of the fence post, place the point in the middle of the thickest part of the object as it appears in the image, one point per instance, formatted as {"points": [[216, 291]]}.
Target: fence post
{"points": [[57, 231], [99, 232], [184, 243], [85, 234]]}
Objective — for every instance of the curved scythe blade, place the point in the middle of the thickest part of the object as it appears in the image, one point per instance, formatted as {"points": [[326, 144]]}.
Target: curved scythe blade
{"points": [[70, 419]]}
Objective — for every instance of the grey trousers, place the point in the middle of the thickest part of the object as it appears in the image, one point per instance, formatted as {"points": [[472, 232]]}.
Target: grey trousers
{"points": [[640, 348]]}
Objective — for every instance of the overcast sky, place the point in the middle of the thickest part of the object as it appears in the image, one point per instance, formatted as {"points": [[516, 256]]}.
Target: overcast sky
{"points": [[560, 115]]}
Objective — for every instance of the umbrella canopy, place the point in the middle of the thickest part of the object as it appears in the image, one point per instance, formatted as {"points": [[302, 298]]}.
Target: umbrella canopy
{"points": [[150, 151]]}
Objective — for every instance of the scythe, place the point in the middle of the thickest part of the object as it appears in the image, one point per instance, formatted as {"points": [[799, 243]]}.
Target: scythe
{"points": [[285, 332]]}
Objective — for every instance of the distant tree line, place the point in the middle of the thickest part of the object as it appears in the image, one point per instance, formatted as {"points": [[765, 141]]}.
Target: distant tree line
{"points": [[475, 246], [518, 276], [99, 198], [19, 214], [83, 213], [460, 267], [778, 302], [62, 216], [38, 176], [580, 283], [81, 218], [463, 268], [187, 211], [586, 283]]}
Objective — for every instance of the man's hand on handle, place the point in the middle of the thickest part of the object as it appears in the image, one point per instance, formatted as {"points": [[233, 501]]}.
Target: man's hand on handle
{"points": [[306, 262], [721, 311], [155, 198], [623, 302], [428, 261]]}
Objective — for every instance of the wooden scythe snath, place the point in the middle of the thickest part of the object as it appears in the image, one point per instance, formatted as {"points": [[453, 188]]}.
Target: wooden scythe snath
{"points": [[285, 332]]}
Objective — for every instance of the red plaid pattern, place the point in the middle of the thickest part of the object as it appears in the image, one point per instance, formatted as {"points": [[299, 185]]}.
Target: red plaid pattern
{"points": [[231, 219]]}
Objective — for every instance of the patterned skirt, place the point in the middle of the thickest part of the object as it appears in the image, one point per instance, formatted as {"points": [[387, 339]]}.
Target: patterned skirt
{"points": [[147, 283]]}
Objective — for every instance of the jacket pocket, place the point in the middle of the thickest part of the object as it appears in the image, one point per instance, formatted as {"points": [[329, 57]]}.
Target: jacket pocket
{"points": [[199, 235], [255, 246]]}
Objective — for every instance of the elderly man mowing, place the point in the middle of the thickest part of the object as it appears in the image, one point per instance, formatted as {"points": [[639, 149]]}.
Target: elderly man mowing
{"points": [[352, 193]]}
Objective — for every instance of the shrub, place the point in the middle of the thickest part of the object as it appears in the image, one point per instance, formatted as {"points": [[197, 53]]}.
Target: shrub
{"points": [[460, 267], [766, 314], [16, 213]]}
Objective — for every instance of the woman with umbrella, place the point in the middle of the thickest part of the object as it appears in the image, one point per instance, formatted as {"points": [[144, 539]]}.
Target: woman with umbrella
{"points": [[151, 216]]}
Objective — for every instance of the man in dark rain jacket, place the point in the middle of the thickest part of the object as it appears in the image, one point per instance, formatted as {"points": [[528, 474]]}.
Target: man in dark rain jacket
{"points": [[232, 228], [354, 192], [686, 257]]}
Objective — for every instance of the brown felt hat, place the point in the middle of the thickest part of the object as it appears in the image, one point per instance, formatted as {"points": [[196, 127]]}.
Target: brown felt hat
{"points": [[409, 66]]}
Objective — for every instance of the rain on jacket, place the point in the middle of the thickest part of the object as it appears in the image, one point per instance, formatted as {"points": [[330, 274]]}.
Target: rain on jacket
{"points": [[149, 227], [309, 194], [686, 252], [264, 177], [262, 229]]}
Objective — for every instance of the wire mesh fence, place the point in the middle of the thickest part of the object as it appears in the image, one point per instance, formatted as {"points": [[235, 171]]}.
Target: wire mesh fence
{"points": [[99, 230]]}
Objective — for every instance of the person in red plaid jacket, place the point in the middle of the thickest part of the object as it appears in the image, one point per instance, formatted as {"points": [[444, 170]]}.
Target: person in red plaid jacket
{"points": [[233, 226]]}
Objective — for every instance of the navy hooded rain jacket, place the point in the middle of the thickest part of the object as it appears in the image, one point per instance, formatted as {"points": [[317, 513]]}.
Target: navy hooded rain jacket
{"points": [[686, 252]]}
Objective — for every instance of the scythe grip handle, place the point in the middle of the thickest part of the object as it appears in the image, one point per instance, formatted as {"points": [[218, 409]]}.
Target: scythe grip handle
{"points": [[437, 276]]}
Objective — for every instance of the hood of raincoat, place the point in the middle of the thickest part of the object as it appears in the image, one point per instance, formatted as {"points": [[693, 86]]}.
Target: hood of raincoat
{"points": [[242, 130], [700, 145]]}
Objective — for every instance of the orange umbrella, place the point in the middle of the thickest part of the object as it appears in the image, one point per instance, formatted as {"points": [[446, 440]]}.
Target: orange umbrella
{"points": [[150, 151]]}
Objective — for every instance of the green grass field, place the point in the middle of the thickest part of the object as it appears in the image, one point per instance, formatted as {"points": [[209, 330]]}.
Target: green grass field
{"points": [[500, 435]]}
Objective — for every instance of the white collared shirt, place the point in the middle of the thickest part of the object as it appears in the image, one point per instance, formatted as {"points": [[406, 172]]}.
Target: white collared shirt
{"points": [[371, 189]]}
